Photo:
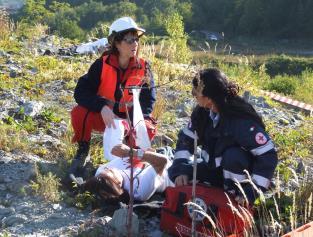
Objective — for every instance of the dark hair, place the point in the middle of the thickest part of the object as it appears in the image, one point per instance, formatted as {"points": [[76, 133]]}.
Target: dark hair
{"points": [[107, 189], [116, 38], [215, 85]]}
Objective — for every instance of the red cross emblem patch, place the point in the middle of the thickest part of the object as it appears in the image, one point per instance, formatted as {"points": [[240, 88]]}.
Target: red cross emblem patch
{"points": [[260, 138]]}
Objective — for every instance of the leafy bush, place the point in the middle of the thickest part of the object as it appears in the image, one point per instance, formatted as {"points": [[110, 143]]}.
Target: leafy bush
{"points": [[283, 64], [100, 31], [50, 116], [178, 50], [283, 84], [32, 32], [69, 29]]}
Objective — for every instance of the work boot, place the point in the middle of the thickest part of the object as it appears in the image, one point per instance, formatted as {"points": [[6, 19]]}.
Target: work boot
{"points": [[80, 159]]}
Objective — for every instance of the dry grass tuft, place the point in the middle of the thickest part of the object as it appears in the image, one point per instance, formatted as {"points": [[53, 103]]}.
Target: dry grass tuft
{"points": [[160, 107], [6, 25], [47, 186], [11, 138]]}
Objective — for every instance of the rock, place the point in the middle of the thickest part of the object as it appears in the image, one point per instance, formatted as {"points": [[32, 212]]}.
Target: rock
{"points": [[300, 167], [13, 74], [284, 121], [23, 208], [46, 167], [58, 130], [5, 211], [48, 52], [56, 216], [33, 108], [7, 180], [298, 117], [184, 109], [56, 206], [16, 187], [13, 220], [3, 53], [246, 96], [119, 220], [5, 159], [44, 140], [34, 70], [3, 187]]}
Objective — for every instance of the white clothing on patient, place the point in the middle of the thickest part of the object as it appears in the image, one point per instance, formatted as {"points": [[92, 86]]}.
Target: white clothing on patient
{"points": [[146, 181]]}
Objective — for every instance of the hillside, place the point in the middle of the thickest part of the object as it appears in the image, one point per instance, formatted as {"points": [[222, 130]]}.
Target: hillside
{"points": [[38, 74]]}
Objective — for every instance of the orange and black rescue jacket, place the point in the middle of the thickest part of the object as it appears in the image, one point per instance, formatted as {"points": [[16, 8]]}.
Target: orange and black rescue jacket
{"points": [[112, 79], [104, 83]]}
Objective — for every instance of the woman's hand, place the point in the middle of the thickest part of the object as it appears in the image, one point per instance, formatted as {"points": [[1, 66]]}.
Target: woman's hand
{"points": [[120, 150], [181, 180], [108, 116]]}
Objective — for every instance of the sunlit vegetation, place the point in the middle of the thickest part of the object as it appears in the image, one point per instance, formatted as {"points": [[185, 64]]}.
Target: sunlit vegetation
{"points": [[173, 65]]}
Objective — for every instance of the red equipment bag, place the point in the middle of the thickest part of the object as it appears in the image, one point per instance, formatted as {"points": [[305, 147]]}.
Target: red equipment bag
{"points": [[229, 220]]}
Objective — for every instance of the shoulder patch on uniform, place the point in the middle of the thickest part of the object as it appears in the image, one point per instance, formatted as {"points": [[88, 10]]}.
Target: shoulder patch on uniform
{"points": [[260, 138]]}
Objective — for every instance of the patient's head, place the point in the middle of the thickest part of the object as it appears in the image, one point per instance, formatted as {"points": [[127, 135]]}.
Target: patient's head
{"points": [[108, 185]]}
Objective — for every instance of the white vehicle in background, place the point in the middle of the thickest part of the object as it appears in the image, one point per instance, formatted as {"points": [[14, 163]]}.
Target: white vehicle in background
{"points": [[207, 35]]}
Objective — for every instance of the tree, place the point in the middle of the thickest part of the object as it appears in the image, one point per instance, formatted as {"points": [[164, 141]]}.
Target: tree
{"points": [[120, 9], [91, 13], [69, 29], [178, 39], [34, 11], [252, 20]]}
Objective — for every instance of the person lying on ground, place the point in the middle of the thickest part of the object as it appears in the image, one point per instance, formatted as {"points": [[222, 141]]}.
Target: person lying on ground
{"points": [[112, 180]]}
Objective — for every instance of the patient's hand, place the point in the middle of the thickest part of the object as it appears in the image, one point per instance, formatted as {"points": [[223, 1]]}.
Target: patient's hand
{"points": [[120, 150]]}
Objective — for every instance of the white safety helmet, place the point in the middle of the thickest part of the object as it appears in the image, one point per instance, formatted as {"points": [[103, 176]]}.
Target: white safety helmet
{"points": [[125, 24]]}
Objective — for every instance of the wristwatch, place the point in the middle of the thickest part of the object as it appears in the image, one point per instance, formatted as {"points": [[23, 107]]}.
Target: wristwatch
{"points": [[140, 153]]}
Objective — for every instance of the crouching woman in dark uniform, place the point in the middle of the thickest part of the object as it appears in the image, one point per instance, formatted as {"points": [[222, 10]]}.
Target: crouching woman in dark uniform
{"points": [[232, 136]]}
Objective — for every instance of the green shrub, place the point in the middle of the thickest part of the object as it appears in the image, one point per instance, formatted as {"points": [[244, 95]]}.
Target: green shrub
{"points": [[178, 50], [292, 143], [50, 116], [47, 186], [304, 92], [283, 64], [283, 84]]}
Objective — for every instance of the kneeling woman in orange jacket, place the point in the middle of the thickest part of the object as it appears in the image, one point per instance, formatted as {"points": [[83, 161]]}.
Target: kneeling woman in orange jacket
{"points": [[103, 93]]}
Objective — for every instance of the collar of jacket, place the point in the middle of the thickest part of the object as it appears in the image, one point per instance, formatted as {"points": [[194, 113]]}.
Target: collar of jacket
{"points": [[112, 60], [215, 118]]}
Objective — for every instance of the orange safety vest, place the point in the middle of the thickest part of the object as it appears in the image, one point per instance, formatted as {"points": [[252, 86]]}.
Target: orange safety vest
{"points": [[134, 76]]}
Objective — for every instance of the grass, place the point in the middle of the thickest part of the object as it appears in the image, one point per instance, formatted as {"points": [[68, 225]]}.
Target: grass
{"points": [[281, 212], [47, 186], [293, 143], [12, 138]]}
